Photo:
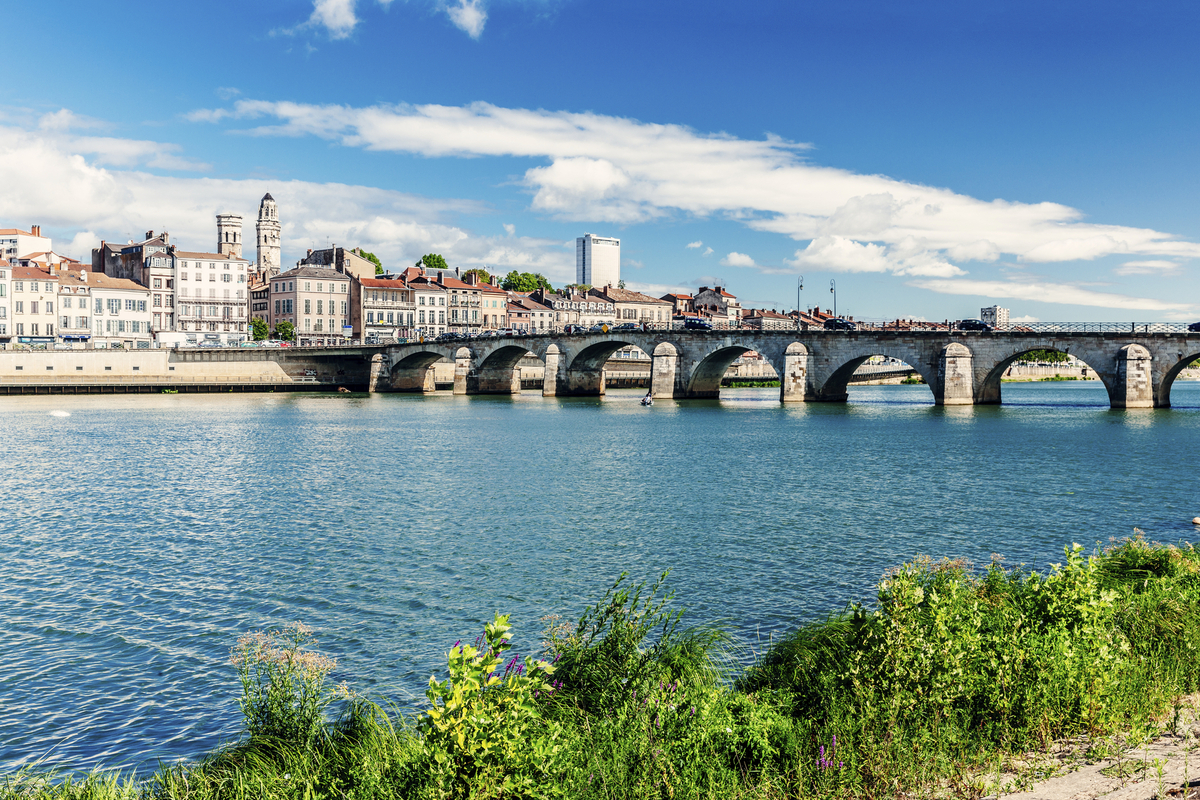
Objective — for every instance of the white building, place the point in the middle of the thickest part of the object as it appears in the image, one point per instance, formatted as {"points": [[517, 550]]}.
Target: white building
{"points": [[5, 291], [268, 230], [15, 242], [211, 301], [995, 316], [120, 313], [597, 261], [74, 306]]}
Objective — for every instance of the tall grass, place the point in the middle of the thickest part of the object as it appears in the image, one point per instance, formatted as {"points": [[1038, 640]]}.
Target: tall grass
{"points": [[948, 670]]}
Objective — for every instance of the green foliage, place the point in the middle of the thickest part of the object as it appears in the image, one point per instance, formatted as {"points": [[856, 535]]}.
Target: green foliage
{"points": [[434, 262], [374, 259], [259, 329], [577, 288], [525, 282], [949, 669], [1045, 356], [285, 331], [483, 730], [483, 275]]}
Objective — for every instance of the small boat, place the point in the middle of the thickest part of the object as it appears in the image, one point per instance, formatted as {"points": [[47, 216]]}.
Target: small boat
{"points": [[647, 400]]}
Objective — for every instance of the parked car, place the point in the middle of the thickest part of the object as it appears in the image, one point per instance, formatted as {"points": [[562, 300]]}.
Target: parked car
{"points": [[628, 326], [600, 327], [839, 324], [973, 325], [694, 324], [574, 329], [1194, 327]]}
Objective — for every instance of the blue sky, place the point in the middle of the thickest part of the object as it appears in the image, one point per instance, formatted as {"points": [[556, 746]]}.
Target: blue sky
{"points": [[929, 157]]}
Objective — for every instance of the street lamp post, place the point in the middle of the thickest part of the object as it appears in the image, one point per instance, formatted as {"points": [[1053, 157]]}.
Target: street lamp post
{"points": [[833, 291], [799, 286]]}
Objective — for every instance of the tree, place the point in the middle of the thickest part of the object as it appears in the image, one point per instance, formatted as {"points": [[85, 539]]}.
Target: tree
{"points": [[577, 288], [620, 284], [525, 282], [258, 329], [370, 257], [484, 275], [285, 331], [434, 262]]}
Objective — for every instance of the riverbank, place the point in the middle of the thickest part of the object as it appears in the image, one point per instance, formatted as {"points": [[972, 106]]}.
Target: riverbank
{"points": [[942, 685]]}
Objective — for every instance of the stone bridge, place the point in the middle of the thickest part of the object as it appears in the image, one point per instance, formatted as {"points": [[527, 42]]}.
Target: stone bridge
{"points": [[961, 368]]}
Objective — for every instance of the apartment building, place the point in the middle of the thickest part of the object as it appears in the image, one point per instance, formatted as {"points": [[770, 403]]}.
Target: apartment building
{"points": [[5, 292], [15, 243], [493, 304], [121, 313], [431, 303], [464, 304], [381, 308], [631, 306], [211, 291], [718, 305], [74, 306], [316, 300], [539, 317], [576, 309], [34, 304]]}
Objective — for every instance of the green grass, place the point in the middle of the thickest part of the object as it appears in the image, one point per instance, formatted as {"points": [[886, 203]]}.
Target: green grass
{"points": [[948, 671]]}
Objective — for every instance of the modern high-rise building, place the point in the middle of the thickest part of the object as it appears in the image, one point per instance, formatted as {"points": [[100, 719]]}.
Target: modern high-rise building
{"points": [[597, 261], [995, 316]]}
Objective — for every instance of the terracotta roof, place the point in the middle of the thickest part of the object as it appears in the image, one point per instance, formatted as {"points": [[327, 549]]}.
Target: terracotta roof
{"points": [[98, 280], [33, 274], [487, 287], [208, 256], [382, 283], [16, 232], [626, 296], [454, 283]]}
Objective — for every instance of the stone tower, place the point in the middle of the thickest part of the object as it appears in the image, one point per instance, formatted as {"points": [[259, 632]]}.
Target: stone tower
{"points": [[229, 235], [268, 237]]}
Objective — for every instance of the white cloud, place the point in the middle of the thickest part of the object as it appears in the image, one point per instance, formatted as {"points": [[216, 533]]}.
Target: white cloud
{"points": [[738, 260], [695, 245], [611, 169], [1153, 267], [908, 257], [1024, 318], [510, 229], [708, 251], [336, 16], [469, 16], [68, 186], [227, 92], [1042, 292]]}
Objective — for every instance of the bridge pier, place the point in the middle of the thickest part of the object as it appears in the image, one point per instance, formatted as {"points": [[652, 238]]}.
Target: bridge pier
{"points": [[462, 370], [1134, 386], [793, 381], [664, 372], [491, 382], [956, 375]]}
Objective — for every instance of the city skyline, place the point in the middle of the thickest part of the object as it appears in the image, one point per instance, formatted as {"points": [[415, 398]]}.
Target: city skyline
{"points": [[1024, 157]]}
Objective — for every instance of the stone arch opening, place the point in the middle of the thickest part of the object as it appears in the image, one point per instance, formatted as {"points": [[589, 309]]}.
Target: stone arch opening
{"points": [[1184, 360], [1015, 365], [498, 372], [705, 378], [836, 387], [583, 374], [416, 373]]}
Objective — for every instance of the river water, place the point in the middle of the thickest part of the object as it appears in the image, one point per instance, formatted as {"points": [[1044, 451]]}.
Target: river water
{"points": [[140, 535]]}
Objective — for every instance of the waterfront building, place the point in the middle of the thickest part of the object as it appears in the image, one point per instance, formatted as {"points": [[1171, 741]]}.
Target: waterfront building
{"points": [[518, 316], [540, 317], [212, 300], [5, 292], [683, 304], [120, 312], [381, 308], [268, 230], [34, 305], [430, 301], [576, 309], [463, 304], [74, 306], [631, 306], [494, 304], [260, 298], [229, 235], [15, 243], [597, 261], [718, 305], [316, 300], [764, 319], [995, 316]]}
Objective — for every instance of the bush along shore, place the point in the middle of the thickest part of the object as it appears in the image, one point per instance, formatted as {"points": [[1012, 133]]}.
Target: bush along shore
{"points": [[918, 694]]}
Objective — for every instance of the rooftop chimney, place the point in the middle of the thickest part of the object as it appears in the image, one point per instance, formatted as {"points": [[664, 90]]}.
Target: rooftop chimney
{"points": [[36, 230], [149, 234], [83, 275], [439, 276], [473, 279]]}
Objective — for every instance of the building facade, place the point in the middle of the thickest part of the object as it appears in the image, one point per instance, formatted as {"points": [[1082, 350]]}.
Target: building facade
{"points": [[597, 261], [120, 313], [763, 319], [576, 309], [212, 300], [381, 308], [34, 306], [345, 261], [718, 305], [431, 304], [316, 301], [5, 293], [995, 316], [15, 243], [74, 306], [631, 306]]}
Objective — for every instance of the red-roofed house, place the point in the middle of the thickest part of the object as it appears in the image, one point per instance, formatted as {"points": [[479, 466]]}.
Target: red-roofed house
{"points": [[719, 305], [383, 307]]}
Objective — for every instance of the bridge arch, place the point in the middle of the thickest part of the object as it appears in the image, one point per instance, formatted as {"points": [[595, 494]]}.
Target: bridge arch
{"points": [[414, 373], [832, 377], [988, 383], [1184, 358], [704, 378]]}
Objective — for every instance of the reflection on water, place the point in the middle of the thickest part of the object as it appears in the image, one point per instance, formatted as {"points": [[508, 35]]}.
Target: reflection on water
{"points": [[143, 533]]}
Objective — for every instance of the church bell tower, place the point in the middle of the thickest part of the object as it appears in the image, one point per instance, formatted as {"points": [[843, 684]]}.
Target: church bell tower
{"points": [[268, 238]]}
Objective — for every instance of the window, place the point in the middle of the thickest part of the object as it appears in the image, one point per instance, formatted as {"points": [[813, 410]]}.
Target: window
{"points": [[389, 318], [212, 265], [291, 286], [33, 306], [441, 317], [33, 329], [170, 283], [18, 286], [141, 305], [321, 285], [19, 307], [277, 311], [442, 300], [307, 286], [99, 306], [421, 316], [307, 306], [158, 300], [170, 301], [212, 277], [65, 303], [65, 322], [370, 317], [421, 300], [307, 324], [157, 283], [319, 304], [227, 278], [20, 329]]}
